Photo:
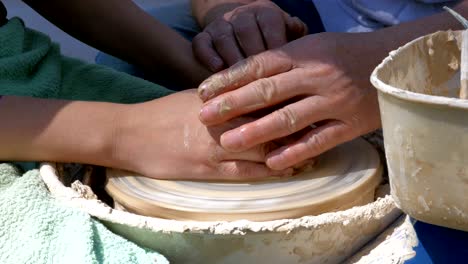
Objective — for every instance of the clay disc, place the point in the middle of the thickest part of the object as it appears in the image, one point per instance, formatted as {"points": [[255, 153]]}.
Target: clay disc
{"points": [[342, 178]]}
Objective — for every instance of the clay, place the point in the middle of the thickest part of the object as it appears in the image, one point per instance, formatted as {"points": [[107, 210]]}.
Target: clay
{"points": [[342, 178], [394, 246], [425, 128]]}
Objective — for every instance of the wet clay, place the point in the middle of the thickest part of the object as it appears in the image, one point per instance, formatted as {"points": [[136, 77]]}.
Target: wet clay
{"points": [[393, 246], [342, 178]]}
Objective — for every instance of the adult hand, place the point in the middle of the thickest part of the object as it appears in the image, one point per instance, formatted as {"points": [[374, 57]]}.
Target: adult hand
{"points": [[246, 30], [164, 139], [322, 79]]}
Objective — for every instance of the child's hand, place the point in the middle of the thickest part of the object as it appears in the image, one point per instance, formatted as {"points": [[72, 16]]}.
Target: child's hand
{"points": [[164, 139]]}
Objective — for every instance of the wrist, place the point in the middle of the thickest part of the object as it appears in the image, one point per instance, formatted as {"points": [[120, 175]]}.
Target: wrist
{"points": [[130, 138]]}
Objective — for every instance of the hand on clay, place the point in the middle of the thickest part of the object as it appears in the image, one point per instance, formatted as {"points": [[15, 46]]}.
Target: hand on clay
{"points": [[320, 80], [164, 139], [246, 30]]}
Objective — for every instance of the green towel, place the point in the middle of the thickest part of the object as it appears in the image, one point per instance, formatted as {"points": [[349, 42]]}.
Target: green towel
{"points": [[31, 65], [36, 228]]}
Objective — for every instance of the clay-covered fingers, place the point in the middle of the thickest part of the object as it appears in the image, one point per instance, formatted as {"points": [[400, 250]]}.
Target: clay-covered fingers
{"points": [[246, 170], [318, 140], [263, 65], [259, 94], [283, 122]]}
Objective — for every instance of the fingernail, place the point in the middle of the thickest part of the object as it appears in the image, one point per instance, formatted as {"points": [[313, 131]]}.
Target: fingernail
{"points": [[208, 112], [232, 140], [275, 162], [204, 90]]}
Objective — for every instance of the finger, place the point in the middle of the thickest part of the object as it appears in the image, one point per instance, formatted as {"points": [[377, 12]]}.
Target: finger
{"points": [[293, 137], [295, 28], [225, 42], [263, 65], [248, 34], [246, 170], [204, 51], [317, 141], [256, 95], [256, 154], [273, 27], [281, 123]]}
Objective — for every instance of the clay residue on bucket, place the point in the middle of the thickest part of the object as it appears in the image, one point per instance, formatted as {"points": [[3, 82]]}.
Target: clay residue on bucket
{"points": [[442, 81], [426, 70], [417, 68]]}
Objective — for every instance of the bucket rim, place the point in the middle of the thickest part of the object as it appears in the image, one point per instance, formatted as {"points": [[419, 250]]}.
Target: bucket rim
{"points": [[435, 100]]}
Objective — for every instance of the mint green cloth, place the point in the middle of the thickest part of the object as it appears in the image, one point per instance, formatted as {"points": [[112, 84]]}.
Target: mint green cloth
{"points": [[36, 228]]}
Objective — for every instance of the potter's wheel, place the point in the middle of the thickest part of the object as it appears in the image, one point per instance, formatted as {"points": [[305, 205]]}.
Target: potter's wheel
{"points": [[342, 178]]}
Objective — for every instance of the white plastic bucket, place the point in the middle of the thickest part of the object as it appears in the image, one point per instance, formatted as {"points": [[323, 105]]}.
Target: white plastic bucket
{"points": [[425, 129]]}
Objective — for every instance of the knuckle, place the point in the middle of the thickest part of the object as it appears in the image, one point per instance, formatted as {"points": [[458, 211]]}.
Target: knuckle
{"points": [[256, 64], [222, 36], [288, 119], [224, 27], [200, 38], [220, 29], [241, 28], [227, 104], [266, 90], [315, 144], [239, 70]]}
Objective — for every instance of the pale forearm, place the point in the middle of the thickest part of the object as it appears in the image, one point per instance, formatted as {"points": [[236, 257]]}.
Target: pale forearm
{"points": [[206, 11], [56, 130], [121, 28]]}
